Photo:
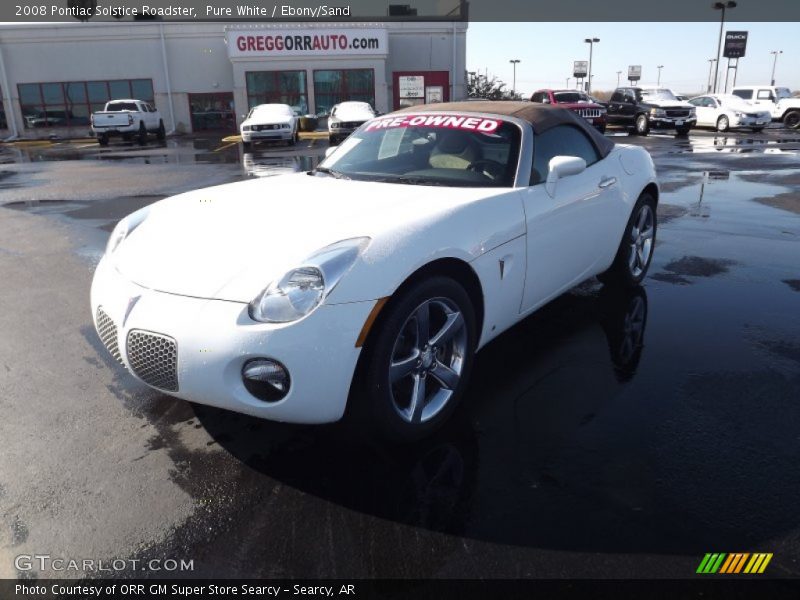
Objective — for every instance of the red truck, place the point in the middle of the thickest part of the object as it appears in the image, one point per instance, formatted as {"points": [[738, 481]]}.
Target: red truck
{"points": [[576, 101]]}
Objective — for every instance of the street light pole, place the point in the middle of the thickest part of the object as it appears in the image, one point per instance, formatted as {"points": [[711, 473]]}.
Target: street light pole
{"points": [[568, 78], [659, 67], [618, 74], [711, 62], [720, 6], [591, 42], [514, 62], [774, 62]]}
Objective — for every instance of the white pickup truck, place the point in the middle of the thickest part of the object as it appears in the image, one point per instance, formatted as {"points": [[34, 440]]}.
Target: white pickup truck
{"points": [[777, 100], [127, 119]]}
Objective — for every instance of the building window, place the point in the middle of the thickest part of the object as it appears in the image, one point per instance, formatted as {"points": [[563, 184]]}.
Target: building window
{"points": [[212, 111], [332, 87], [69, 104], [277, 87]]}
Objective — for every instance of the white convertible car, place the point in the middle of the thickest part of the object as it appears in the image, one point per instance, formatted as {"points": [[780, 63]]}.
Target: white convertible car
{"points": [[369, 283]]}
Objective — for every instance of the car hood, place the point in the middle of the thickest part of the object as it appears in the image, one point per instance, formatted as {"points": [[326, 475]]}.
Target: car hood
{"points": [[228, 242], [668, 104]]}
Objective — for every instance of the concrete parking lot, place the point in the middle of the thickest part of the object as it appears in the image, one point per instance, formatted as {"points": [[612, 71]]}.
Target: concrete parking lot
{"points": [[609, 435]]}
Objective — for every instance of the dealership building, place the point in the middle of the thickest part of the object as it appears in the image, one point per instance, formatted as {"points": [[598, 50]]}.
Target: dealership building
{"points": [[204, 76]]}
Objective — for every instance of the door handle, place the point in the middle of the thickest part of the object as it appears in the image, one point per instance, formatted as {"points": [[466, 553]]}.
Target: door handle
{"points": [[607, 182]]}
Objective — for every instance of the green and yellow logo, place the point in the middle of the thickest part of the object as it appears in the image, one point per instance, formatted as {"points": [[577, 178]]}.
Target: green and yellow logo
{"points": [[737, 562]]}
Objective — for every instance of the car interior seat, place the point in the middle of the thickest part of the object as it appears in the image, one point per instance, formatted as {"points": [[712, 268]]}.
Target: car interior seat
{"points": [[455, 150]]}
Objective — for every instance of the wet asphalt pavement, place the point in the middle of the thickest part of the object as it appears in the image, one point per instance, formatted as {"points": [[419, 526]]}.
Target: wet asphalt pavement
{"points": [[609, 435]]}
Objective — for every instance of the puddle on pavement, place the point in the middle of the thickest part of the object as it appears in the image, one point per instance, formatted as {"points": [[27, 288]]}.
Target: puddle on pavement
{"points": [[784, 144], [102, 214]]}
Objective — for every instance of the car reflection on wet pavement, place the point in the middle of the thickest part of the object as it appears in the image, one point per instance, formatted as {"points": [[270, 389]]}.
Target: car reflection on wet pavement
{"points": [[611, 434]]}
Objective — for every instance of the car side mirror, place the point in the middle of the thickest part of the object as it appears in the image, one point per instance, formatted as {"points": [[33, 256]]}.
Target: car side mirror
{"points": [[560, 167]]}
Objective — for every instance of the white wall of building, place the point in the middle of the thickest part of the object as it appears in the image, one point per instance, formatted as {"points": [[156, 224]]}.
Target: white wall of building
{"points": [[198, 60]]}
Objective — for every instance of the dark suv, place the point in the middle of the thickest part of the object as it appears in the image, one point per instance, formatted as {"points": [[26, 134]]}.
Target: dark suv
{"points": [[643, 109]]}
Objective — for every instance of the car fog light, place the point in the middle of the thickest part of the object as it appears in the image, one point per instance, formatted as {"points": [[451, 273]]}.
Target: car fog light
{"points": [[266, 379]]}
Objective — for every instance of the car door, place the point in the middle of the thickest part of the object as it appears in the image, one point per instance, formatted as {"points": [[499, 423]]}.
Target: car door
{"points": [[765, 99], [568, 232], [704, 107], [614, 113]]}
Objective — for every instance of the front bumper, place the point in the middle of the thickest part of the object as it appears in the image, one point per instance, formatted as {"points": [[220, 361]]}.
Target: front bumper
{"points": [[267, 135], [750, 122], [672, 122], [214, 338]]}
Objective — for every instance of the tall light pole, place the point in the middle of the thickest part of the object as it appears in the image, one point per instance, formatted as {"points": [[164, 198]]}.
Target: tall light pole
{"points": [[591, 42], [659, 67], [514, 62], [720, 6], [711, 62], [618, 74], [568, 78], [774, 62]]}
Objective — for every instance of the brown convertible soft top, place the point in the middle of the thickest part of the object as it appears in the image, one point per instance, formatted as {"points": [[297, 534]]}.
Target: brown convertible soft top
{"points": [[541, 116]]}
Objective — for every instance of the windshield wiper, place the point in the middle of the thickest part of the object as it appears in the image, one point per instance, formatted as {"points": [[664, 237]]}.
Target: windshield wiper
{"points": [[331, 172]]}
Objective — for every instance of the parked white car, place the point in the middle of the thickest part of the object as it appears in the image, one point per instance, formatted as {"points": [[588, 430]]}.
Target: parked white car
{"points": [[269, 123], [370, 282], [726, 111], [777, 100], [126, 119], [346, 117]]}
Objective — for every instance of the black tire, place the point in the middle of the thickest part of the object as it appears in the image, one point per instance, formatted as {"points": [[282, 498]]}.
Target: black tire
{"points": [[103, 139], [126, 137], [682, 131], [602, 129], [758, 129], [792, 119], [142, 135], [379, 402], [723, 123], [642, 124], [620, 272], [161, 133]]}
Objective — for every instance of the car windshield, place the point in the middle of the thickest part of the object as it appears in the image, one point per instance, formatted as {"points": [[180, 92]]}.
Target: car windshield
{"points": [[783, 93], [571, 97], [659, 94], [121, 106], [272, 111], [430, 149]]}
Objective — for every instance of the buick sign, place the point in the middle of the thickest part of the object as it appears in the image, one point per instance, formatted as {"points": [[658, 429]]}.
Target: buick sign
{"points": [[735, 44]]}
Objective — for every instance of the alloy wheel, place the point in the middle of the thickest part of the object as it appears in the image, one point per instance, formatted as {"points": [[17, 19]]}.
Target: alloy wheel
{"points": [[427, 360], [641, 241]]}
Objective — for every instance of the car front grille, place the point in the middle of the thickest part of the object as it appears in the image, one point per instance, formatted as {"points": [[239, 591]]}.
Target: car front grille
{"points": [[265, 127], [350, 124], [589, 113], [154, 359], [677, 112], [108, 334]]}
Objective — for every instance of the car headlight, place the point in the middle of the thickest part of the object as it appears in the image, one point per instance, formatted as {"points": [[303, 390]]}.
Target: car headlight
{"points": [[245, 127], [286, 126], [692, 112], [302, 289], [658, 112], [125, 227], [738, 114], [334, 124]]}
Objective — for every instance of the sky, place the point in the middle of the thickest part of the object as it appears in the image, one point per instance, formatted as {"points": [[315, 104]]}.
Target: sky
{"points": [[548, 50]]}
